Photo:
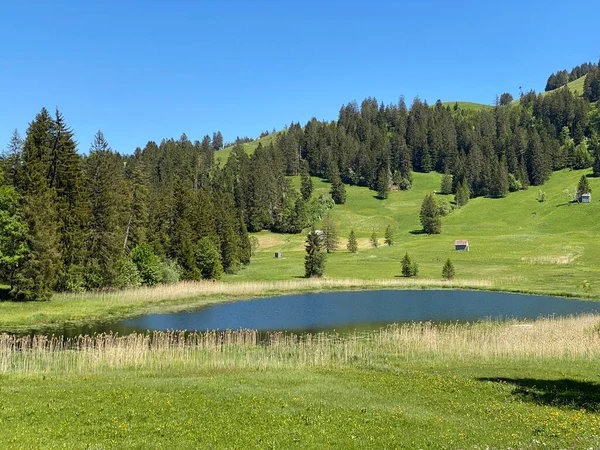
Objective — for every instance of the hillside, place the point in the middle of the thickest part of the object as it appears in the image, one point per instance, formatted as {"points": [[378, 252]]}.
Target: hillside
{"points": [[221, 156], [517, 243], [575, 86], [467, 105]]}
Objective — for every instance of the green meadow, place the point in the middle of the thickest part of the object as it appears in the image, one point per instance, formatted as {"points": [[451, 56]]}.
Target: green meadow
{"points": [[485, 385], [516, 243]]}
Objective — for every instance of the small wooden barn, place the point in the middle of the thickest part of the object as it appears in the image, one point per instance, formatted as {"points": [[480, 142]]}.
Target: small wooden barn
{"points": [[586, 198], [461, 244]]}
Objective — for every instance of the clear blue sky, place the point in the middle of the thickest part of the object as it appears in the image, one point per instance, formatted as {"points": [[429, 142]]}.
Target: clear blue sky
{"points": [[147, 70]]}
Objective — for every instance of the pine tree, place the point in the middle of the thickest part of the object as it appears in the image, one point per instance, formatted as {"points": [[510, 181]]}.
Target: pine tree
{"points": [[448, 270], [13, 246], [103, 243], [338, 190], [383, 183], [430, 217], [135, 205], [389, 235], [66, 176], [446, 187], [330, 235], [594, 148], [352, 245], [208, 259], [183, 239], [373, 239], [314, 261], [409, 268], [583, 187], [36, 277], [306, 186]]}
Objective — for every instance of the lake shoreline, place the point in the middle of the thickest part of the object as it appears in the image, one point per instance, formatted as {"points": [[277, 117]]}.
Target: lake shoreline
{"points": [[97, 308]]}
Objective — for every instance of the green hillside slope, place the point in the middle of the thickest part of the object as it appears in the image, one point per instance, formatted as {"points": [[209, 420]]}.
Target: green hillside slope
{"points": [[222, 156], [467, 105], [517, 243], [575, 86]]}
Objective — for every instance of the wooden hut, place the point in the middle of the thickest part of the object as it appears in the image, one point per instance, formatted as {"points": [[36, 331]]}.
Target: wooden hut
{"points": [[461, 244]]}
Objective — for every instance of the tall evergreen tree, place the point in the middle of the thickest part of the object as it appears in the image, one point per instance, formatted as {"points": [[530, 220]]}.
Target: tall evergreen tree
{"points": [[37, 276], [583, 187], [314, 261], [389, 235], [103, 243], [13, 246], [306, 185], [330, 234], [448, 271], [338, 190], [352, 245], [430, 216]]}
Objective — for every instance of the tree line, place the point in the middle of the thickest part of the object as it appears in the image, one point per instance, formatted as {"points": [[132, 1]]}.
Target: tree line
{"points": [[562, 77], [167, 212]]}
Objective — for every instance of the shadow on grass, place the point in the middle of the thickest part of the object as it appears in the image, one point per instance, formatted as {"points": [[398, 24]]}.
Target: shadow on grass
{"points": [[5, 294], [416, 232], [563, 393]]}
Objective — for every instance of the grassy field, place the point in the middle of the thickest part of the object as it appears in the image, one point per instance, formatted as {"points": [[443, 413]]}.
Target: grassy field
{"points": [[575, 86], [222, 156], [485, 385], [467, 105], [516, 243]]}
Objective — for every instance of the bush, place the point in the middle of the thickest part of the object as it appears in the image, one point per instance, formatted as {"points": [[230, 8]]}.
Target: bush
{"points": [[208, 260], [128, 274], [514, 184], [444, 207], [541, 197], [170, 272], [147, 263]]}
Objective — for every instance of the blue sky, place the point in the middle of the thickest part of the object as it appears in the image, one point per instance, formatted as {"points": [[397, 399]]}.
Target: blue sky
{"points": [[148, 70]]}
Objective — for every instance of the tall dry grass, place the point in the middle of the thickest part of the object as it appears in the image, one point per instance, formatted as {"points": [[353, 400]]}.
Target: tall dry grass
{"points": [[194, 289], [564, 338]]}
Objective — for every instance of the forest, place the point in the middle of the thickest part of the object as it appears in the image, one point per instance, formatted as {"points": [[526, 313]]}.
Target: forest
{"points": [[75, 221]]}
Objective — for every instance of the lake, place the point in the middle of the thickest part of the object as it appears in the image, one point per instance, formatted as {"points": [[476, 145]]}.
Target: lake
{"points": [[348, 311]]}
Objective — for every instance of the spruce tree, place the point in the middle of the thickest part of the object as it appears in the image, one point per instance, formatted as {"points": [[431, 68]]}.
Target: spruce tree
{"points": [[448, 270], [352, 245], [409, 268], [389, 235], [13, 246], [583, 187], [430, 217], [330, 234], [135, 206], [37, 276], [314, 261], [306, 186], [338, 190], [103, 244], [67, 178], [446, 187], [208, 259], [373, 239], [383, 183]]}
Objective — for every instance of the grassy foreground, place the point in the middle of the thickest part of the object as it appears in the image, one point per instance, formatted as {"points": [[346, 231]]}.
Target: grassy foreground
{"points": [[485, 385]]}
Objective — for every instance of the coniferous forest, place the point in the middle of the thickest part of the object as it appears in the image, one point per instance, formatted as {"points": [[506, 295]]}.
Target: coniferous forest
{"points": [[75, 219]]}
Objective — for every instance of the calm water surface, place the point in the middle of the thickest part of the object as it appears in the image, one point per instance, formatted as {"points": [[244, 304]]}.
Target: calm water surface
{"points": [[347, 311]]}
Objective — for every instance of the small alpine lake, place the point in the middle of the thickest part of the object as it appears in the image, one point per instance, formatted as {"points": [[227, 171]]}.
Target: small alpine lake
{"points": [[349, 311]]}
